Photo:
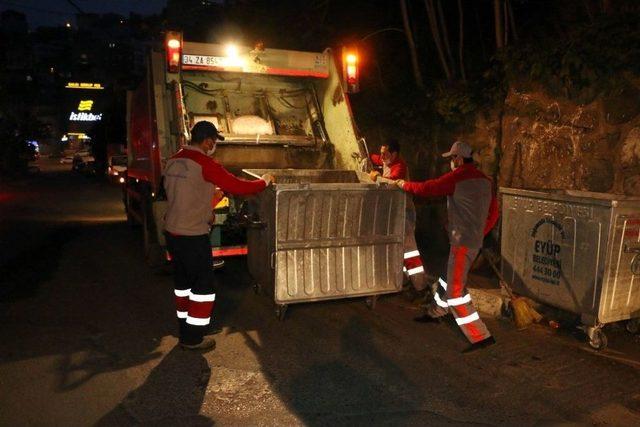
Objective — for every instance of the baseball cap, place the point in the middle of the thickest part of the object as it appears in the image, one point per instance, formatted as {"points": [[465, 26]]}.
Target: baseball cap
{"points": [[205, 129], [461, 149]]}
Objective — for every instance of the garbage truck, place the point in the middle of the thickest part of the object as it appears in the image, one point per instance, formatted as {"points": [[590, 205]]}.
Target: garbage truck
{"points": [[279, 110]]}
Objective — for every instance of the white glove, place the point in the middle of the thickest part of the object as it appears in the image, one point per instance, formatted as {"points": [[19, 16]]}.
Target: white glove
{"points": [[268, 178]]}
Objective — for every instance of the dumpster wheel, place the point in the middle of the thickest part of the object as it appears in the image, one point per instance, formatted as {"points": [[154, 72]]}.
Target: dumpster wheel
{"points": [[281, 310], [371, 301], [257, 288], [633, 326], [597, 339]]}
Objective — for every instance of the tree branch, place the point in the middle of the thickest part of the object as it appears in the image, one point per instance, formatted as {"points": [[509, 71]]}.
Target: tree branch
{"points": [[435, 32], [445, 35], [412, 46], [461, 41], [497, 13], [513, 21]]}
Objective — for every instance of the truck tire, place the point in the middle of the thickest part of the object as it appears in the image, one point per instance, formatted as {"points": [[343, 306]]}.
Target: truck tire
{"points": [[126, 200]]}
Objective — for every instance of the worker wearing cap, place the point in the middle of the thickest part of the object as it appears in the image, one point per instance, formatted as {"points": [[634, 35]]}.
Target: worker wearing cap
{"points": [[190, 179], [472, 212], [394, 168]]}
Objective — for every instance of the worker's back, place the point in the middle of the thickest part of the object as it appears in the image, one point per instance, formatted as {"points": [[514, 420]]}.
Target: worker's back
{"points": [[468, 207], [188, 194]]}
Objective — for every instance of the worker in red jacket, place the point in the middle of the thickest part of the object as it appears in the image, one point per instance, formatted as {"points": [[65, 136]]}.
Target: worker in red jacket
{"points": [[394, 168], [472, 212], [190, 179]]}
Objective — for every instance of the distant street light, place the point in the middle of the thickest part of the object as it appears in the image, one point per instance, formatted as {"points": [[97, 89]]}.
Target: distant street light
{"points": [[68, 24]]}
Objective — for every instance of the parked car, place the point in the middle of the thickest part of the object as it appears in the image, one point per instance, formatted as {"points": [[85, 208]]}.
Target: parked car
{"points": [[66, 160], [117, 168], [83, 162]]}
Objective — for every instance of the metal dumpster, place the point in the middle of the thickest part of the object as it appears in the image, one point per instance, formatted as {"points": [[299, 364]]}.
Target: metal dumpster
{"points": [[578, 251], [322, 234]]}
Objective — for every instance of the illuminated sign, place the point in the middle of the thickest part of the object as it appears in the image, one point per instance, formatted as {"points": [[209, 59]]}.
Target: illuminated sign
{"points": [[85, 105], [85, 117], [76, 85]]}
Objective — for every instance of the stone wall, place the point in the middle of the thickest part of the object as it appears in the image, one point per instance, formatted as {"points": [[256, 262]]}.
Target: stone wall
{"points": [[553, 143]]}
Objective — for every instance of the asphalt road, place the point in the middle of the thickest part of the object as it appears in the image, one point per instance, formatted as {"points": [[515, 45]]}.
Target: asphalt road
{"points": [[88, 338]]}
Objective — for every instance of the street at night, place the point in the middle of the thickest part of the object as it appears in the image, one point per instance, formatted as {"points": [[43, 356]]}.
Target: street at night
{"points": [[319, 213], [90, 339]]}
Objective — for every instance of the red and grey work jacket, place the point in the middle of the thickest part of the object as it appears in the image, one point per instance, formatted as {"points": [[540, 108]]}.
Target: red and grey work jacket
{"points": [[471, 205], [395, 170], [190, 179]]}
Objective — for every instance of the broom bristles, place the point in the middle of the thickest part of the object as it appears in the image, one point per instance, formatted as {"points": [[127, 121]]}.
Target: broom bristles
{"points": [[523, 314], [537, 317]]}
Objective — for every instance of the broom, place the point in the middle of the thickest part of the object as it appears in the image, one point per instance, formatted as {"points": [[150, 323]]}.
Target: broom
{"points": [[523, 314]]}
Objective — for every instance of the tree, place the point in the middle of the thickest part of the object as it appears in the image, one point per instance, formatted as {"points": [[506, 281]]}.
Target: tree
{"points": [[497, 14], [412, 46], [461, 40], [435, 32], [445, 36]]}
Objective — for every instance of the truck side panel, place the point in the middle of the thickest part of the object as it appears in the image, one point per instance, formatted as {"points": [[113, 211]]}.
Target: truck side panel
{"points": [[338, 118], [141, 133], [166, 146]]}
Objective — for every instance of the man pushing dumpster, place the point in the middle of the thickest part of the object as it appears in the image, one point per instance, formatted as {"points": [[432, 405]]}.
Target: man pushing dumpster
{"points": [[472, 212], [394, 168], [190, 180]]}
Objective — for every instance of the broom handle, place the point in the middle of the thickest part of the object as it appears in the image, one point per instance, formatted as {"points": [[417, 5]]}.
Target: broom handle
{"points": [[503, 283]]}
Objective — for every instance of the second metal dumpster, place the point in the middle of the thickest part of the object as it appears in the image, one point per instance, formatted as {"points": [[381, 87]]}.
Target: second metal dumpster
{"points": [[321, 234], [578, 251]]}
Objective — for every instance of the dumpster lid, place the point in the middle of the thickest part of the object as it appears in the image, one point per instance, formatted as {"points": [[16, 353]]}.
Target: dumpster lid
{"points": [[586, 197], [307, 176]]}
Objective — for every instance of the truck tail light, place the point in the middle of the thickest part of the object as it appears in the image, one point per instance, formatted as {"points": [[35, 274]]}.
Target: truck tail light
{"points": [[174, 51], [350, 70]]}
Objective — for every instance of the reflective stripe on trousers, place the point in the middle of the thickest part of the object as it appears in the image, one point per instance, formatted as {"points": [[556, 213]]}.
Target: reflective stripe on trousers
{"points": [[194, 308], [452, 295], [193, 284], [413, 267]]}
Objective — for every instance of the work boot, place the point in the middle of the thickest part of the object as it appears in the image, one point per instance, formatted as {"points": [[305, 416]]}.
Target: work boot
{"points": [[207, 343], [213, 330], [425, 318], [412, 295], [480, 345]]}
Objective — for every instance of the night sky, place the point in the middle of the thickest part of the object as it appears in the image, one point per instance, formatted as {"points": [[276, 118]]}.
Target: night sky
{"points": [[57, 12]]}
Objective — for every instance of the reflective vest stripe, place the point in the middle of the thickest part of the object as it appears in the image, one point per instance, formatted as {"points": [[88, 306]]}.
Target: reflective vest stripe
{"points": [[468, 319], [442, 283], [416, 270], [183, 292], [411, 254], [439, 301], [182, 314], [197, 321], [202, 298], [460, 300]]}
